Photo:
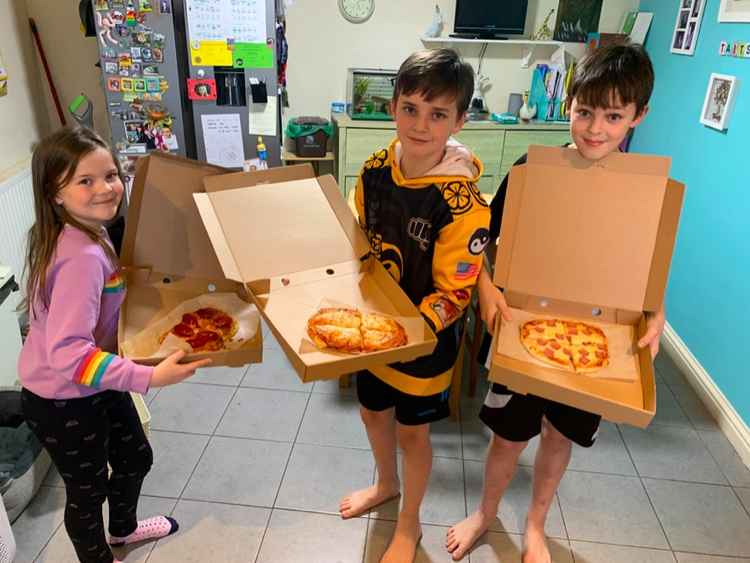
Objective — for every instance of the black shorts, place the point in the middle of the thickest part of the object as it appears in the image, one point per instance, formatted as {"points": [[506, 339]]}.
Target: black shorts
{"points": [[411, 410], [518, 418]]}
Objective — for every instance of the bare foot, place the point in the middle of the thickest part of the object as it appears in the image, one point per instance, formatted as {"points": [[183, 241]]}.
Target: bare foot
{"points": [[461, 537], [363, 500], [403, 547], [535, 546]]}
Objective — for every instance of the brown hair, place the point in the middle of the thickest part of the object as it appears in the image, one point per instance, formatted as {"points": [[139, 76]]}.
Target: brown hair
{"points": [[53, 165], [621, 70], [434, 73]]}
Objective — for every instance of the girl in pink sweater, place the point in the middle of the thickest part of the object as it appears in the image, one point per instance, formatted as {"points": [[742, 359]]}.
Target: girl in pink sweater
{"points": [[75, 388]]}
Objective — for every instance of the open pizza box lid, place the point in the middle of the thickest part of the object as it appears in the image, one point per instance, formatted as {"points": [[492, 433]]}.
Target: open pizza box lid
{"points": [[167, 255], [593, 241], [296, 244]]}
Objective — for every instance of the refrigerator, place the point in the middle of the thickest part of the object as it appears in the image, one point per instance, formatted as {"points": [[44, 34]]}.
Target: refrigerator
{"points": [[197, 78]]}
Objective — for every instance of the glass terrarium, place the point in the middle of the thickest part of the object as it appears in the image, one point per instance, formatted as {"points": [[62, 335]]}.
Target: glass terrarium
{"points": [[369, 92]]}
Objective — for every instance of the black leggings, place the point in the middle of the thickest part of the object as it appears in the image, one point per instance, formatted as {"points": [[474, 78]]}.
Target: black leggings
{"points": [[82, 436]]}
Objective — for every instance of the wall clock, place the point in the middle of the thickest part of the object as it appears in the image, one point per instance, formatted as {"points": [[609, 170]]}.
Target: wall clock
{"points": [[357, 11]]}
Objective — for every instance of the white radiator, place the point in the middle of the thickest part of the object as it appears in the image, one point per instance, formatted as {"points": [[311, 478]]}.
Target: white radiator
{"points": [[16, 217]]}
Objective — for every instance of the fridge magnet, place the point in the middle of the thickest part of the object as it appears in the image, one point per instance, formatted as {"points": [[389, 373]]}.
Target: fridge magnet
{"points": [[135, 53], [157, 40], [734, 11], [165, 6], [118, 17], [130, 15], [687, 26], [146, 54], [135, 69], [134, 132], [124, 72], [106, 26], [152, 84], [139, 85], [719, 102], [124, 60], [201, 88], [126, 85], [145, 6], [157, 55], [110, 67], [169, 139], [101, 5], [113, 84], [142, 37], [151, 70]]}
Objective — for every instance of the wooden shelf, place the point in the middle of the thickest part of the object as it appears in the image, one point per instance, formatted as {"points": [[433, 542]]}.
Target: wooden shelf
{"points": [[524, 42], [290, 157], [529, 45]]}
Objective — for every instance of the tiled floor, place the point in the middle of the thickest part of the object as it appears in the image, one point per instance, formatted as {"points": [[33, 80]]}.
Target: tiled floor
{"points": [[252, 463]]}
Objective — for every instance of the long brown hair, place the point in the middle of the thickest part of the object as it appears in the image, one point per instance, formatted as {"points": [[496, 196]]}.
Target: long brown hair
{"points": [[53, 165]]}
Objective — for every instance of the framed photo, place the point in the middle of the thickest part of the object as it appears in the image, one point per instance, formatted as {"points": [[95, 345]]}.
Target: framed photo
{"points": [[719, 102], [734, 11], [201, 89], [687, 26], [110, 67], [576, 19]]}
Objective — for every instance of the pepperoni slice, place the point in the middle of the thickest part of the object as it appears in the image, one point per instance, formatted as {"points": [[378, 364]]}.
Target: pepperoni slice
{"points": [[206, 339], [572, 331], [555, 345], [183, 330], [584, 360], [207, 313], [541, 341], [568, 351], [587, 331], [560, 336], [549, 352], [190, 319], [222, 321], [602, 347], [539, 329], [584, 352], [550, 322], [601, 355]]}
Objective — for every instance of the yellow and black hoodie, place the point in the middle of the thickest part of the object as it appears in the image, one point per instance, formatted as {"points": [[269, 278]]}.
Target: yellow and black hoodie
{"points": [[430, 233]]}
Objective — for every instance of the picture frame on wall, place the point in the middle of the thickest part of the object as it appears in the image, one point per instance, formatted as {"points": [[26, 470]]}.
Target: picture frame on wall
{"points": [[719, 101], [734, 11], [687, 26]]}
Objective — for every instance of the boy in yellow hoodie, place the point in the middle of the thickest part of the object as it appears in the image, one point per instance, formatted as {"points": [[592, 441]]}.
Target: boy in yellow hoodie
{"points": [[428, 224]]}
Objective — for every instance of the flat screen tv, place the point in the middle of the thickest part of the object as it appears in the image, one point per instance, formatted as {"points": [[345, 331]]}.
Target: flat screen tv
{"points": [[490, 19]]}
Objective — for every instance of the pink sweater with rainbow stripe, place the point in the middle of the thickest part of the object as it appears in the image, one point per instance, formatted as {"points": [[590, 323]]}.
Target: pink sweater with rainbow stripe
{"points": [[69, 351]]}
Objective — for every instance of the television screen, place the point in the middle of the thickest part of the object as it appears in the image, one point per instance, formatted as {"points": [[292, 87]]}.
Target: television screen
{"points": [[490, 18]]}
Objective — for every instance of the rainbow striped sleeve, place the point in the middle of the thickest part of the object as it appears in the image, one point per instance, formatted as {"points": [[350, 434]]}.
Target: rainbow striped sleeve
{"points": [[115, 283], [92, 368]]}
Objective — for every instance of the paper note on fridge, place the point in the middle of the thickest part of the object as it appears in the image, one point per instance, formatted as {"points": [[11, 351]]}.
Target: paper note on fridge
{"points": [[262, 119], [222, 137]]}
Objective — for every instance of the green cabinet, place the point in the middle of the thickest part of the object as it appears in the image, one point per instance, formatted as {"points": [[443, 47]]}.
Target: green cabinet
{"points": [[497, 146]]}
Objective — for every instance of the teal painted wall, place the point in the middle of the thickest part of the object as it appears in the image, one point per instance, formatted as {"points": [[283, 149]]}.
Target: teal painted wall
{"points": [[708, 303]]}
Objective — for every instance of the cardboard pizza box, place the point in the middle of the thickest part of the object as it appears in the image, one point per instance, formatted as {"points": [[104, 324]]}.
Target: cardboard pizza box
{"points": [[296, 244], [167, 256], [591, 241]]}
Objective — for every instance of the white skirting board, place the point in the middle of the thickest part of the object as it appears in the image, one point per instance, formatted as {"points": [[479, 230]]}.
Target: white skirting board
{"points": [[730, 422]]}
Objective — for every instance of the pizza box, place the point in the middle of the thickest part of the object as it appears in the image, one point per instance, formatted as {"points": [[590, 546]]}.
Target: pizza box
{"points": [[296, 244], [590, 241], [166, 254]]}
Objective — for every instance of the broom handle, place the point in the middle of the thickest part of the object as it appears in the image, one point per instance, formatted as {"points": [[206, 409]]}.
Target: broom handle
{"points": [[52, 88]]}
